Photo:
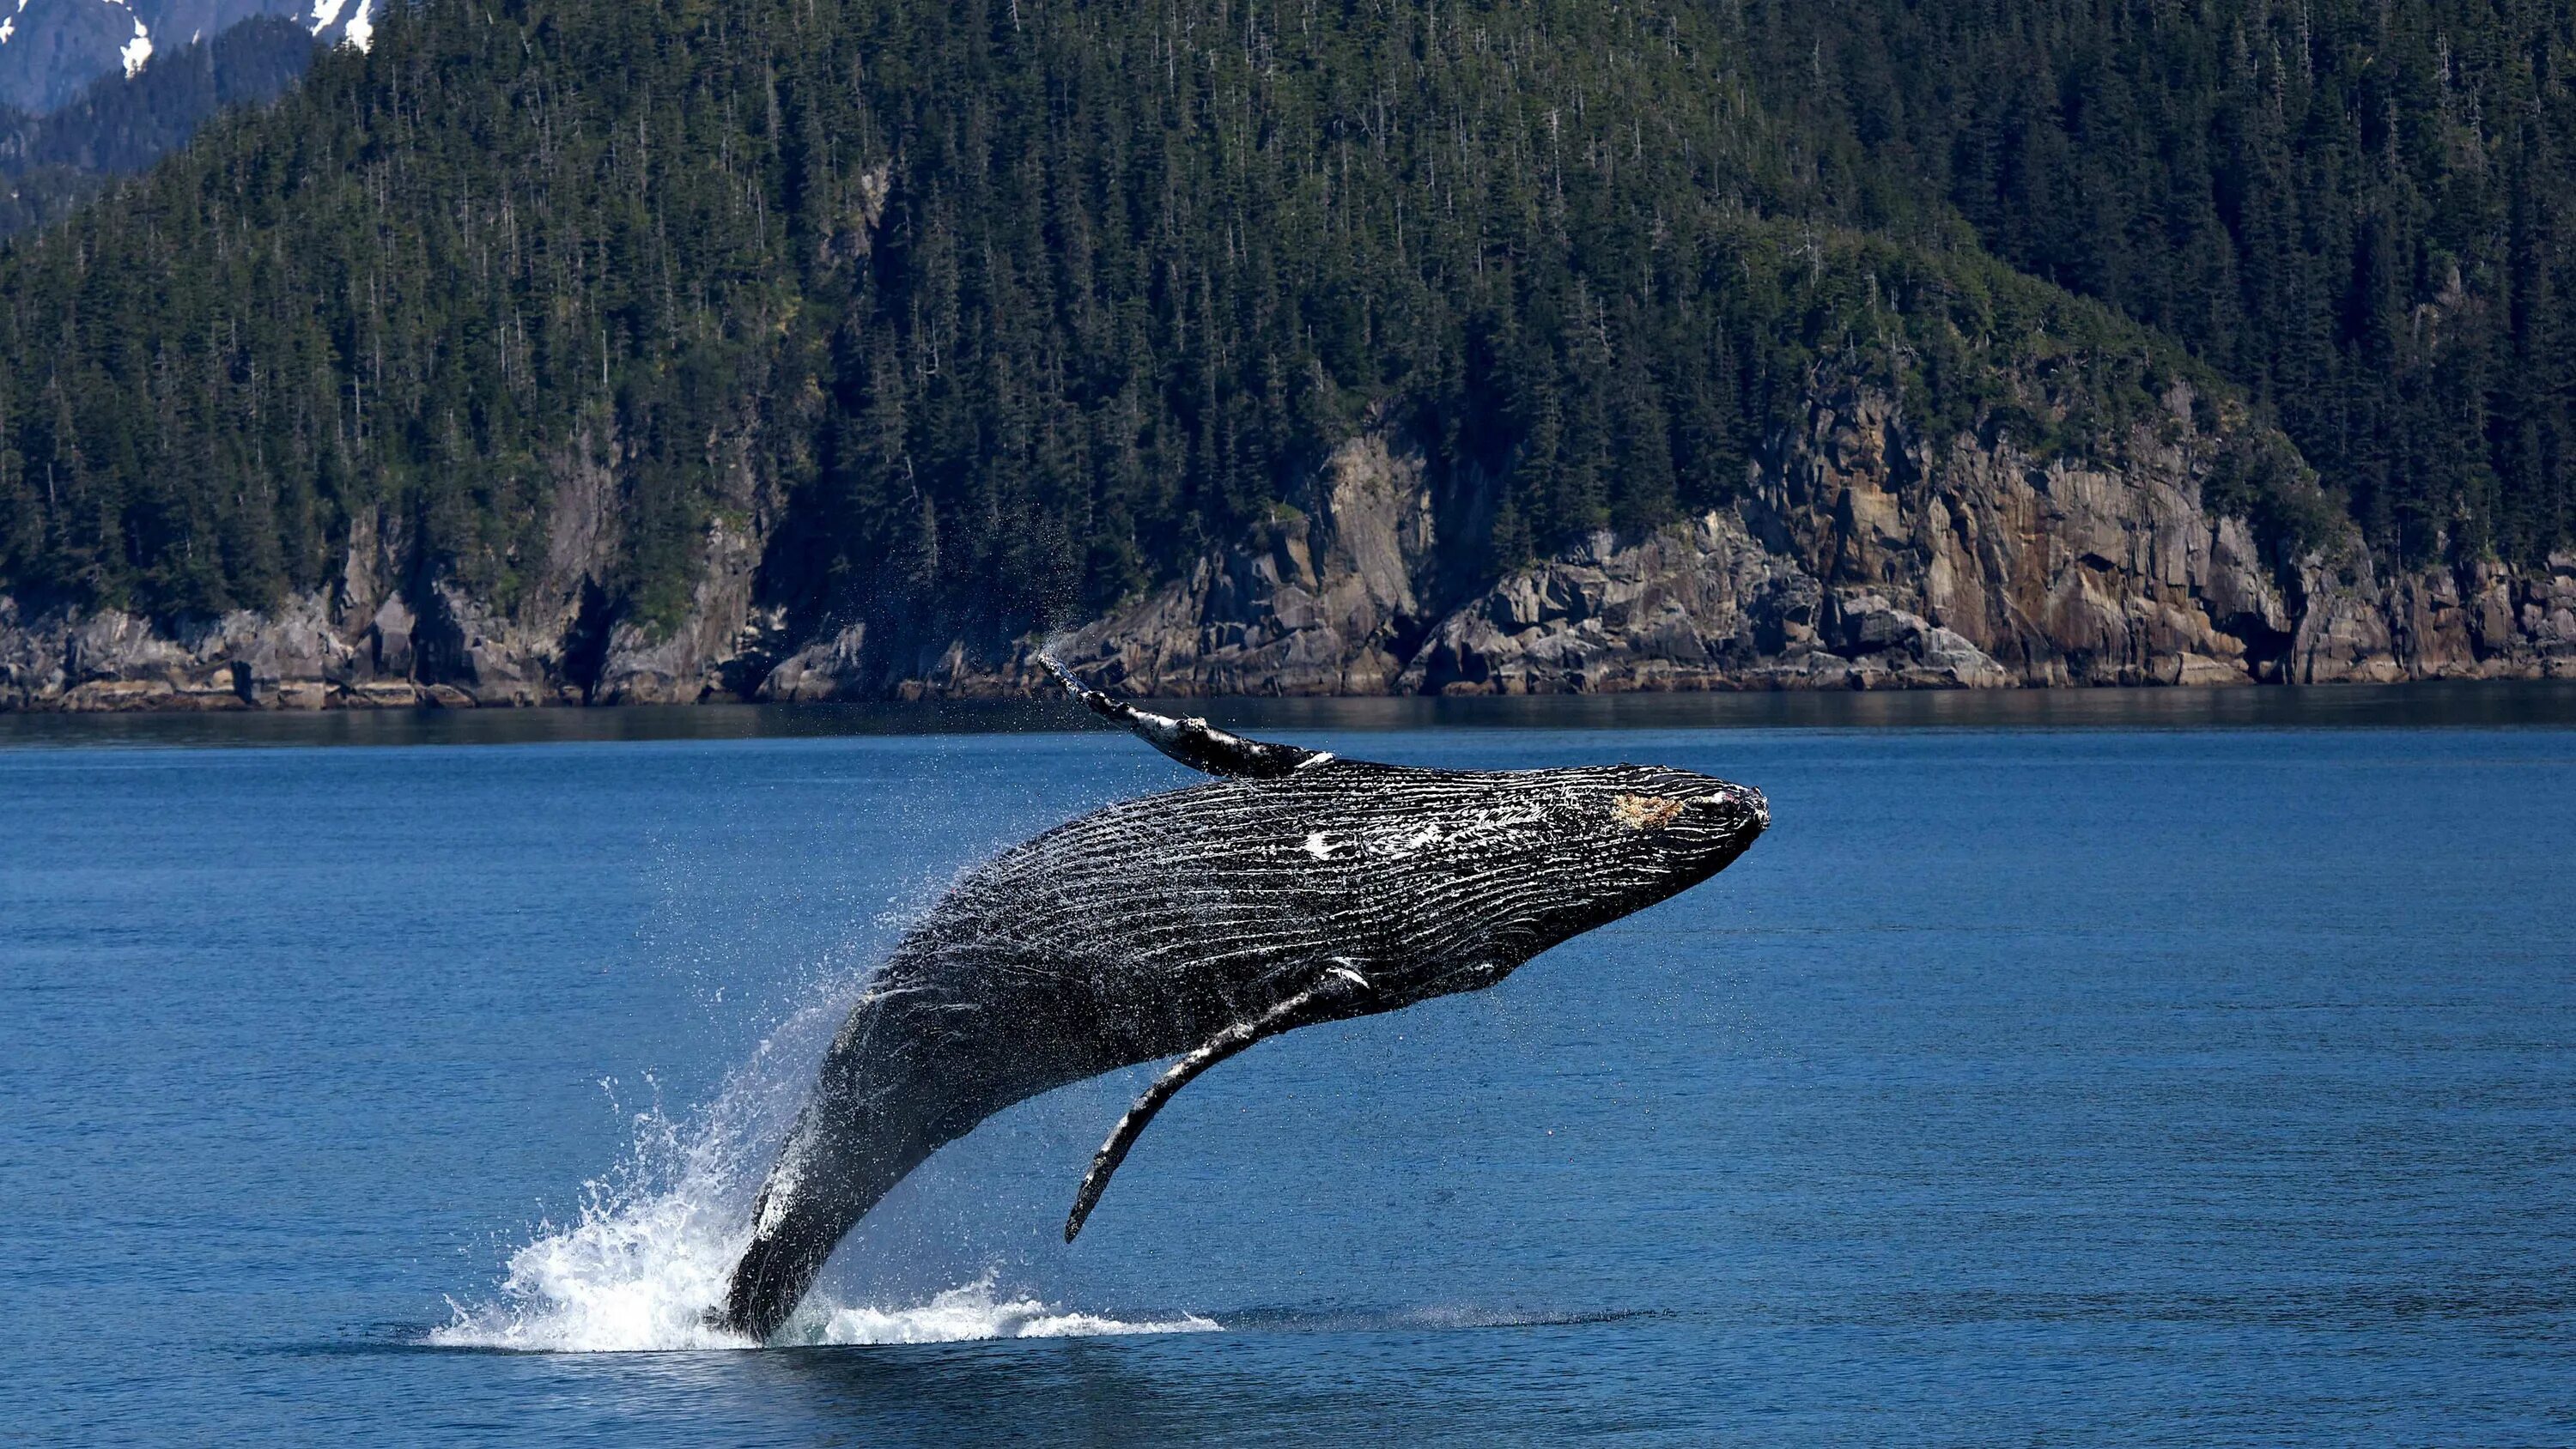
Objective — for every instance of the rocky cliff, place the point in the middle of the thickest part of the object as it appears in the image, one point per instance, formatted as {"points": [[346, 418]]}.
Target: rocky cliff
{"points": [[1860, 554]]}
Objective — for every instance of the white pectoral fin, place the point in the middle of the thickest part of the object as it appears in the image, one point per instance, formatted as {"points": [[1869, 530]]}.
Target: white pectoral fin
{"points": [[1193, 742], [1340, 983]]}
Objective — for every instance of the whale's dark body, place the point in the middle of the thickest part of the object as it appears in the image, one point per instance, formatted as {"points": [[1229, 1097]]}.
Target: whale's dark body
{"points": [[1297, 888]]}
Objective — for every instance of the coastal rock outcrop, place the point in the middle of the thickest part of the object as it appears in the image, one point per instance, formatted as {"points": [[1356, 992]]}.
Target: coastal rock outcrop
{"points": [[1329, 599], [1860, 553]]}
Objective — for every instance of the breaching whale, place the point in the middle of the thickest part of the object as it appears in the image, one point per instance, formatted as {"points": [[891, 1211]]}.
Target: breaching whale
{"points": [[1294, 888]]}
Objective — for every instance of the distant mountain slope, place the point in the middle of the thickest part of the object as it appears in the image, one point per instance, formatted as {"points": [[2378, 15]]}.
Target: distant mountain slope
{"points": [[51, 51], [122, 124]]}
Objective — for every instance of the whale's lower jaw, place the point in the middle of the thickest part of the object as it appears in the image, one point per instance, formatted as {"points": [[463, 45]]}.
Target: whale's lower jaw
{"points": [[795, 1233], [889, 1097], [769, 1280]]}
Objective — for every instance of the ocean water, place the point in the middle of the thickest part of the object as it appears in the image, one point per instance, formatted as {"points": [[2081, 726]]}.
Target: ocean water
{"points": [[2101, 1085]]}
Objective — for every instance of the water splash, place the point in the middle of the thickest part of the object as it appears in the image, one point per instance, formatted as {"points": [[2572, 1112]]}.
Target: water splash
{"points": [[972, 1311], [656, 1239], [648, 1254], [590, 1290]]}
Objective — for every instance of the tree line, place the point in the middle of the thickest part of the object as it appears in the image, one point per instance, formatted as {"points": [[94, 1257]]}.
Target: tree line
{"points": [[1013, 305]]}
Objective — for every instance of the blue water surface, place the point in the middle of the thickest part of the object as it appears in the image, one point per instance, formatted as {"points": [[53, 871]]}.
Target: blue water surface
{"points": [[2076, 1087]]}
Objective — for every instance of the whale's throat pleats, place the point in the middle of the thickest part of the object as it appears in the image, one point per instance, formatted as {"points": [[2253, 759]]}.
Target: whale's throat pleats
{"points": [[1343, 984]]}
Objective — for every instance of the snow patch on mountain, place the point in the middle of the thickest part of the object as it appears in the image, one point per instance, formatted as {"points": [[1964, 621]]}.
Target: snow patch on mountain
{"points": [[138, 50], [359, 30]]}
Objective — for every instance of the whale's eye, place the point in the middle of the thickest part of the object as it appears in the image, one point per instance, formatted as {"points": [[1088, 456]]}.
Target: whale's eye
{"points": [[1645, 812]]}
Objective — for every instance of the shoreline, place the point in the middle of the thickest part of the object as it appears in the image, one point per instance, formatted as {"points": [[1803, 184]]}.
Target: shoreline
{"points": [[234, 689], [2425, 704]]}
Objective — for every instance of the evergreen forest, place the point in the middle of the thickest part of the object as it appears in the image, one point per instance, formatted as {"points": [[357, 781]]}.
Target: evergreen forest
{"points": [[1015, 304]]}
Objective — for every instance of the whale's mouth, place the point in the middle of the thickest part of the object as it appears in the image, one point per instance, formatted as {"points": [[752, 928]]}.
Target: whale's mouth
{"points": [[1743, 801]]}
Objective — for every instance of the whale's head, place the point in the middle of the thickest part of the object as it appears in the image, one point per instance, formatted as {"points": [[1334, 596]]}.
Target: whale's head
{"points": [[1628, 836], [1533, 858]]}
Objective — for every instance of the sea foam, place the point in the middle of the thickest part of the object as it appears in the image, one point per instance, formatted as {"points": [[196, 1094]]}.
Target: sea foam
{"points": [[971, 1311], [603, 1288], [655, 1241]]}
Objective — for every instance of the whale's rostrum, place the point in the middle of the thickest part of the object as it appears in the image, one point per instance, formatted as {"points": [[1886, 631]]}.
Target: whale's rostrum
{"points": [[1293, 888]]}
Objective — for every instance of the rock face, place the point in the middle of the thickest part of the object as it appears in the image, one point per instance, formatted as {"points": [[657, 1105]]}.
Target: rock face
{"points": [[393, 633], [1860, 554], [1327, 600], [1871, 558]]}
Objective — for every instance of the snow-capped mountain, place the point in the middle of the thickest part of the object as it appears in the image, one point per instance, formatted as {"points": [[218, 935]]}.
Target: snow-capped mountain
{"points": [[51, 49]]}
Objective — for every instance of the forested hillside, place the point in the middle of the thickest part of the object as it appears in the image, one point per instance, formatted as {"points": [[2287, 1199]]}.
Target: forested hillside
{"points": [[1017, 310], [2359, 211], [997, 312]]}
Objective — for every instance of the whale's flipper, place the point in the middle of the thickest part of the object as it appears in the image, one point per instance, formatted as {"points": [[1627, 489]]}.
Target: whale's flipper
{"points": [[1193, 742], [1315, 1003]]}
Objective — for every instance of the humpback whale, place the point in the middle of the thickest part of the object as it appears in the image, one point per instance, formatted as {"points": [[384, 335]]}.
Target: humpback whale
{"points": [[1293, 888]]}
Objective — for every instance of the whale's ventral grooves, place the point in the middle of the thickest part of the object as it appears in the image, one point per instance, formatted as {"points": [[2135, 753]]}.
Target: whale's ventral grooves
{"points": [[1294, 888]]}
